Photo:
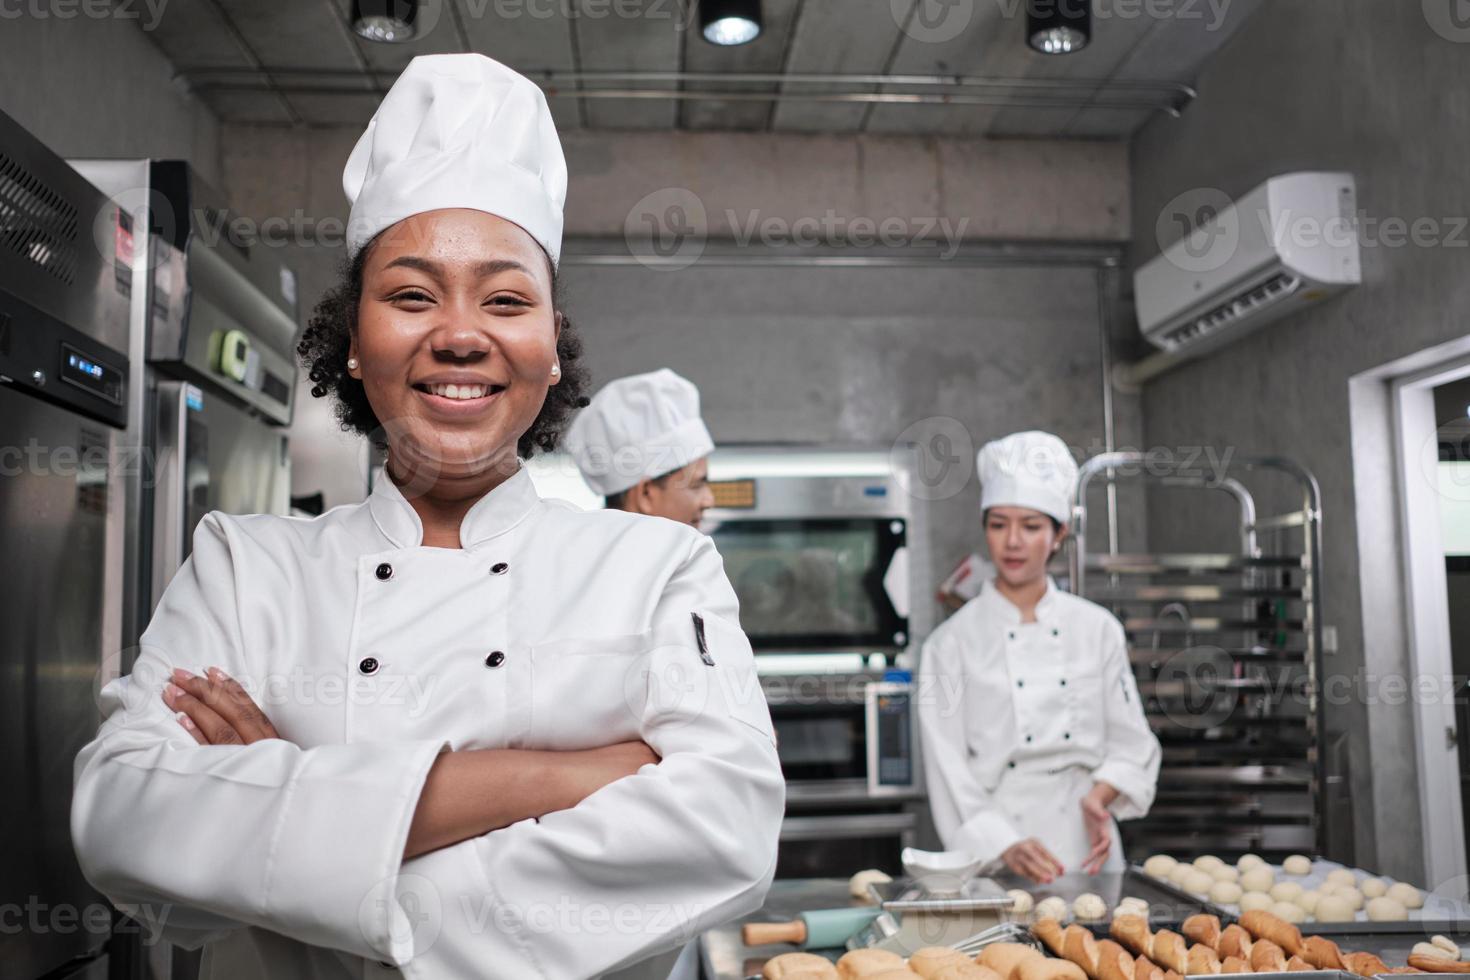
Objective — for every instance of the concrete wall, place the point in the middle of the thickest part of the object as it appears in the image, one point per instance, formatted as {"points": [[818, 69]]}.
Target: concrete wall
{"points": [[827, 364], [1372, 88], [97, 87]]}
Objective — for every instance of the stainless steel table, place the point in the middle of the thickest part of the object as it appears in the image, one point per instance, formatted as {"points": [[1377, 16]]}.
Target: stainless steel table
{"points": [[724, 957]]}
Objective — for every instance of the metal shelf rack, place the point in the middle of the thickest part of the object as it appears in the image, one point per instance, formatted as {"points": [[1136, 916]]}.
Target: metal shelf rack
{"points": [[1227, 651]]}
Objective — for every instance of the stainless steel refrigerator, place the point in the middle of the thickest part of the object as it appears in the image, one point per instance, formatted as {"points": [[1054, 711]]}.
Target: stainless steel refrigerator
{"points": [[212, 331], [65, 288]]}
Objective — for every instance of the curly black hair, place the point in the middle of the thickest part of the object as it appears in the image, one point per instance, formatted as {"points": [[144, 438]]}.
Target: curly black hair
{"points": [[328, 336]]}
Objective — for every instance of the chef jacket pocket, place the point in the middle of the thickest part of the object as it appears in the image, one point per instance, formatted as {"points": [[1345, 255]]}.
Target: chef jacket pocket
{"points": [[735, 675], [1089, 706], [587, 691]]}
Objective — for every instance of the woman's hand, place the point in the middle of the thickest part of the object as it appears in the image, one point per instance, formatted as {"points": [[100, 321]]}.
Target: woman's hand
{"points": [[1099, 822], [1030, 857], [216, 710], [591, 770]]}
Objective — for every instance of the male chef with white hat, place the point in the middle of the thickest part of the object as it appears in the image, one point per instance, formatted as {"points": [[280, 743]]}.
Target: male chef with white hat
{"points": [[642, 444], [1035, 740], [455, 730]]}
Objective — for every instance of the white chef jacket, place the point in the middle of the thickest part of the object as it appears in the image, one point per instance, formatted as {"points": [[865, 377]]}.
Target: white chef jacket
{"points": [[1018, 720], [552, 629]]}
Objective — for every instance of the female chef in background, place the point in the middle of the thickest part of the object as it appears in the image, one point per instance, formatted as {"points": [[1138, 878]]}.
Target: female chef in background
{"points": [[454, 730], [1033, 733]]}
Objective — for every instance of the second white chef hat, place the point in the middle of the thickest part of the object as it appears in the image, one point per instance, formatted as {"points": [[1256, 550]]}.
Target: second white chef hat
{"points": [[458, 131], [1028, 469], [638, 428]]}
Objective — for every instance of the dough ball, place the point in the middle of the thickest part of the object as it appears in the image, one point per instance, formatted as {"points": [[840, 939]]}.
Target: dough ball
{"points": [[1297, 864], [1225, 893], [1052, 908], [1090, 908], [1290, 911], [1021, 901], [1406, 895], [1258, 879], [1207, 862], [1385, 909], [1447, 944], [1286, 891], [1225, 873], [1341, 876], [1159, 866], [1351, 895], [1132, 906], [1433, 949], [1373, 887], [1198, 882], [1256, 902], [1250, 861], [1308, 901], [1181, 871], [857, 885], [1332, 908]]}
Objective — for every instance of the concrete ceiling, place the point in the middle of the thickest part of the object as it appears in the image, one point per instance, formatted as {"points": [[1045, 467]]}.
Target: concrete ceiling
{"points": [[296, 62]]}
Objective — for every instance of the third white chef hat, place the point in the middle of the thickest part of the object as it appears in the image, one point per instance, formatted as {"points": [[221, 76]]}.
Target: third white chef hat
{"points": [[1028, 469], [458, 131], [638, 428]]}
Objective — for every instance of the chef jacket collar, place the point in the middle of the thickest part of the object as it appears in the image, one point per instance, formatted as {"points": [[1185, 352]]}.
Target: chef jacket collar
{"points": [[1007, 611], [493, 514]]}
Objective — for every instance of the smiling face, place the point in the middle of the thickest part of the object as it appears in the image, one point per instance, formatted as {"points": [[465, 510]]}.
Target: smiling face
{"points": [[456, 340], [1021, 541], [683, 495]]}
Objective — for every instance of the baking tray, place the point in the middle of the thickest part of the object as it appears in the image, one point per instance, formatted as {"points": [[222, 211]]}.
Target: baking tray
{"points": [[1168, 906]]}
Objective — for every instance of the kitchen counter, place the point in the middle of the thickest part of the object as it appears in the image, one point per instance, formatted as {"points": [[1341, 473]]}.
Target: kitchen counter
{"points": [[724, 957]]}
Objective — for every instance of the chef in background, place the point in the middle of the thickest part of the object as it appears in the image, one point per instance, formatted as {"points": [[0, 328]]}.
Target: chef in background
{"points": [[1035, 740], [642, 445]]}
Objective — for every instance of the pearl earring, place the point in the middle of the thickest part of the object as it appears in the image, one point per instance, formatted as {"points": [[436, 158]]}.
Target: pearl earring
{"points": [[352, 364], [555, 370]]}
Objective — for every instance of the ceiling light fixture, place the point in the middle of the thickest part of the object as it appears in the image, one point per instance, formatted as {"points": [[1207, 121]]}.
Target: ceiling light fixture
{"points": [[389, 21], [1058, 26], [730, 22]]}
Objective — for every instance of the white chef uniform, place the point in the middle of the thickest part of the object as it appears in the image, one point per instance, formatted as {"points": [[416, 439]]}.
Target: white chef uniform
{"points": [[638, 428], [551, 629], [1019, 720]]}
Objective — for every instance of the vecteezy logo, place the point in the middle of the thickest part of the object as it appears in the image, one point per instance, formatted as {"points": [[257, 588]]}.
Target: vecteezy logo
{"points": [[1205, 222], [1193, 687], [943, 454], [406, 908], [933, 21], [667, 229], [1450, 19]]}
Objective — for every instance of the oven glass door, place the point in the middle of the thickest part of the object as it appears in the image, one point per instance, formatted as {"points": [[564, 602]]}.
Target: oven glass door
{"points": [[818, 743], [814, 583]]}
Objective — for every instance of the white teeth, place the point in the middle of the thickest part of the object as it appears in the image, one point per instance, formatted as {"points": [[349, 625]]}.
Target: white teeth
{"points": [[460, 392]]}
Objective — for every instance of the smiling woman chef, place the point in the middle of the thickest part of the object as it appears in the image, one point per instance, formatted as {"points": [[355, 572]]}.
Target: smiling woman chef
{"points": [[1034, 736], [454, 729]]}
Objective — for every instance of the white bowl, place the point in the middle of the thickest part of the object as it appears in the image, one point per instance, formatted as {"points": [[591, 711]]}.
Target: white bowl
{"points": [[940, 872]]}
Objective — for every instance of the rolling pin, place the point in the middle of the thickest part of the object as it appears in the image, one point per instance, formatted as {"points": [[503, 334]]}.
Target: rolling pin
{"points": [[822, 929]]}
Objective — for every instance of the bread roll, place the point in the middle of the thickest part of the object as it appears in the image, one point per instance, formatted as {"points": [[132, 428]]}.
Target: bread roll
{"points": [[1334, 908], [1234, 964], [1132, 932], [1447, 944], [1385, 909], [1289, 912], [1432, 949], [1090, 908], [1050, 932], [1114, 962], [1267, 925], [1079, 946], [1045, 968], [931, 959], [1203, 929], [806, 966], [1430, 964], [1255, 901], [1170, 951], [1146, 969], [1258, 879], [1021, 902], [1297, 864], [857, 885], [1286, 891], [1004, 958], [1052, 908], [1364, 964], [1249, 861], [1341, 876], [1234, 941], [1298, 965], [867, 962], [1267, 957], [1159, 866], [903, 974], [1322, 953], [1132, 906], [1201, 961], [1373, 887], [1406, 895], [966, 971]]}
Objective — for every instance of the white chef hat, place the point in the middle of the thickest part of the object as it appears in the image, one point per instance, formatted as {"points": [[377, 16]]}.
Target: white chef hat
{"points": [[458, 131], [1028, 469], [638, 428]]}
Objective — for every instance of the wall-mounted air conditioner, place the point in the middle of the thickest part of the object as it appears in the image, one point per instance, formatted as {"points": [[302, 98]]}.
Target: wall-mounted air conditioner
{"points": [[1290, 243]]}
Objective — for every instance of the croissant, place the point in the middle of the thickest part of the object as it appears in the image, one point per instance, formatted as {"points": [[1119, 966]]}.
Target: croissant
{"points": [[1234, 941], [1202, 960], [1168, 951], [1049, 931], [1364, 964], [1321, 953], [1203, 929], [1113, 961], [1267, 957], [1079, 946], [1264, 925], [1432, 964], [1132, 932], [1234, 964]]}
